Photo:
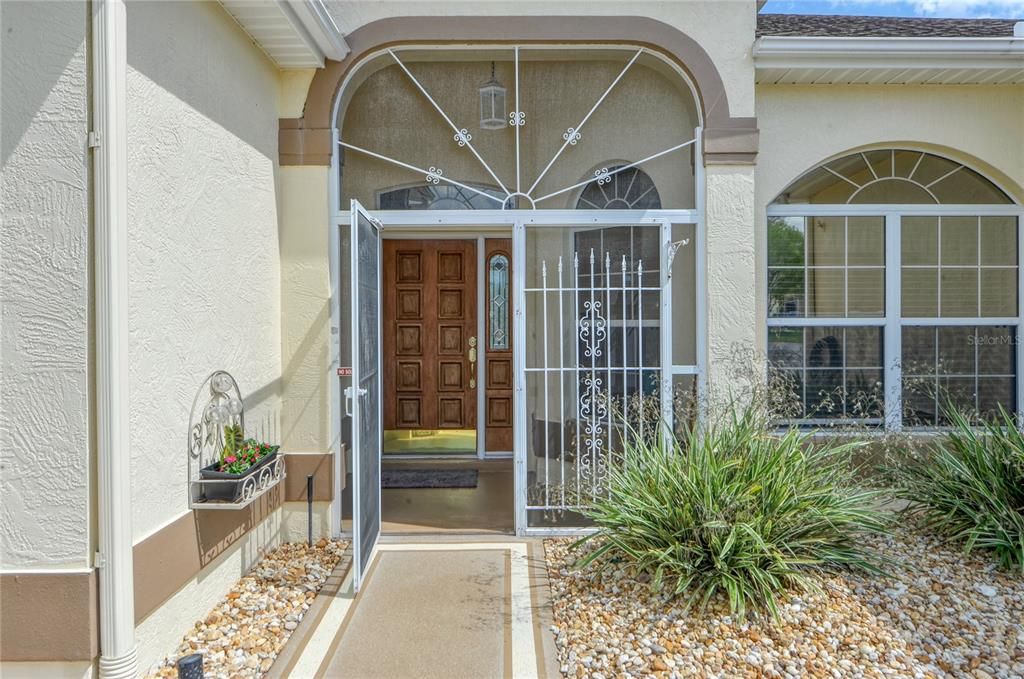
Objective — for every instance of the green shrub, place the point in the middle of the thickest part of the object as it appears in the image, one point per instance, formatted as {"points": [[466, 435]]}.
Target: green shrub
{"points": [[738, 510], [970, 486]]}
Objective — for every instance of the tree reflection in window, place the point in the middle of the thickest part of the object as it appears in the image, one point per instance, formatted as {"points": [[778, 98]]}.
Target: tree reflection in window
{"points": [[497, 277], [630, 189]]}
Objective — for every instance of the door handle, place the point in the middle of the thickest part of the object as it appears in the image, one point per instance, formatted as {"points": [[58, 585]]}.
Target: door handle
{"points": [[350, 394], [472, 362]]}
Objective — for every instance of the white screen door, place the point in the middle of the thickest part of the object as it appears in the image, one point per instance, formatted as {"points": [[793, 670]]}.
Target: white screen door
{"points": [[363, 398]]}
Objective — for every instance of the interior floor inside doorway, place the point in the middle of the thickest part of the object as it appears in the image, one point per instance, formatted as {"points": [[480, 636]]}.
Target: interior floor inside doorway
{"points": [[487, 508]]}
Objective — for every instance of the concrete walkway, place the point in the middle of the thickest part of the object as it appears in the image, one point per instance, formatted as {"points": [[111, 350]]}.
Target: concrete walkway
{"points": [[435, 609]]}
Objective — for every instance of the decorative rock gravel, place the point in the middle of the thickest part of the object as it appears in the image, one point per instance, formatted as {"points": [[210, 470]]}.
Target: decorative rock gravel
{"points": [[243, 634], [939, 614]]}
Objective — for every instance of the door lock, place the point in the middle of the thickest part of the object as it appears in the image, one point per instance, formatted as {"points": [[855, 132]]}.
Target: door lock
{"points": [[472, 362]]}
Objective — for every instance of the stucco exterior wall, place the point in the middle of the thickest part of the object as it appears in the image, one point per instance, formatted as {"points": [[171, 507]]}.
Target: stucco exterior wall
{"points": [[203, 256], [803, 125], [305, 291], [733, 326], [44, 288]]}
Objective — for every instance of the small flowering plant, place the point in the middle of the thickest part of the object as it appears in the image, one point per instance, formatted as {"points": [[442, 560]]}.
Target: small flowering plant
{"points": [[241, 454], [244, 456]]}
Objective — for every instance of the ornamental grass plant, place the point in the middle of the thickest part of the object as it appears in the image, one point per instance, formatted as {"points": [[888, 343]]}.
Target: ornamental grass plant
{"points": [[737, 509], [969, 485]]}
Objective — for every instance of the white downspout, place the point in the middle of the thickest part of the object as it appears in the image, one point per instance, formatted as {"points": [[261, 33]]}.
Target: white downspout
{"points": [[110, 227]]}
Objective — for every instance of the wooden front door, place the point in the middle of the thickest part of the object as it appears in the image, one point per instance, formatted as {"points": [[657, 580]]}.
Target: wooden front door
{"points": [[429, 342]]}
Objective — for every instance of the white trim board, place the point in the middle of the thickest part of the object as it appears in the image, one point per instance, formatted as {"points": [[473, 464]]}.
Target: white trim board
{"points": [[890, 60]]}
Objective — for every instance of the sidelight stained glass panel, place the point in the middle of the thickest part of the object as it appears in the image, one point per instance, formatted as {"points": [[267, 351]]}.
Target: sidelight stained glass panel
{"points": [[497, 303]]}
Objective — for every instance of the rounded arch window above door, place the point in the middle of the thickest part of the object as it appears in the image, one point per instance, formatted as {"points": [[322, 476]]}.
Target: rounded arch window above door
{"points": [[893, 176], [527, 127], [630, 189]]}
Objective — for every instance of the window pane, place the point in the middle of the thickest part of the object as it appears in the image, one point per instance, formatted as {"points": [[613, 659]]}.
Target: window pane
{"points": [[826, 241], [823, 394], [920, 293], [863, 348], [933, 167], [788, 394], [786, 241], [920, 407], [786, 347], [996, 355], [956, 350], [829, 372], [968, 187], [958, 393], [999, 292], [918, 351], [999, 241], [959, 240], [866, 293], [824, 347], [786, 292], [959, 292], [893, 191], [920, 240], [865, 394], [976, 372], [825, 294], [994, 392], [866, 241]]}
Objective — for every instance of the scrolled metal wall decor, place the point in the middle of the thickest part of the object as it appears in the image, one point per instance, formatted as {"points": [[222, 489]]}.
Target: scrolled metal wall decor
{"points": [[224, 408]]}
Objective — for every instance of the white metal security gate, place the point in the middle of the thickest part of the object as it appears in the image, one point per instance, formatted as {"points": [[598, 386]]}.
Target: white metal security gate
{"points": [[616, 329], [363, 398], [594, 352]]}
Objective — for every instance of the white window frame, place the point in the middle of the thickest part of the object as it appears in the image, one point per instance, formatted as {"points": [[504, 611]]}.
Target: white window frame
{"points": [[893, 322]]}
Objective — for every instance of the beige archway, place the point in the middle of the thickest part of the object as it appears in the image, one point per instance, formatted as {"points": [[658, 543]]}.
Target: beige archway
{"points": [[727, 139]]}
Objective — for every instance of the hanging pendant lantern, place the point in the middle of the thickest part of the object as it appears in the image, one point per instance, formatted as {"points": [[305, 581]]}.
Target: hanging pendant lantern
{"points": [[492, 104]]}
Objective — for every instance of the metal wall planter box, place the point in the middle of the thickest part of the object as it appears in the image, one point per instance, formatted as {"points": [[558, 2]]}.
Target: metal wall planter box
{"points": [[231, 487]]}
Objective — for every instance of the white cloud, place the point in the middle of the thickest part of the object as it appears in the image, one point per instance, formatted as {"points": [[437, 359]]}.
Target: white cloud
{"points": [[968, 8], [941, 8]]}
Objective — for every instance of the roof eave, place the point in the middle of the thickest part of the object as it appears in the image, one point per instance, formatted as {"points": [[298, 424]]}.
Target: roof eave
{"points": [[314, 24], [807, 52]]}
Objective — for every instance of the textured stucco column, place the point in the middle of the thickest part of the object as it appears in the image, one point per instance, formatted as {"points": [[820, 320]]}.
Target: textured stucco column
{"points": [[731, 280], [305, 308]]}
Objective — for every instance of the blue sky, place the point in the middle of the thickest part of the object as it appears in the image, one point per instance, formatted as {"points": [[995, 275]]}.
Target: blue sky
{"points": [[1006, 9]]}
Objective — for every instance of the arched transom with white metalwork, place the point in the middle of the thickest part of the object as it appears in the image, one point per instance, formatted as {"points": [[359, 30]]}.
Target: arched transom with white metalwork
{"points": [[518, 128]]}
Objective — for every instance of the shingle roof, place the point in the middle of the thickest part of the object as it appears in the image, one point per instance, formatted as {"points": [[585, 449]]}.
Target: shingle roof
{"points": [[881, 27]]}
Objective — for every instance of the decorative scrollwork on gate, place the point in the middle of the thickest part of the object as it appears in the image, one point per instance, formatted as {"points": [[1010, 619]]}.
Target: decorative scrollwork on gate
{"points": [[592, 329], [593, 413]]}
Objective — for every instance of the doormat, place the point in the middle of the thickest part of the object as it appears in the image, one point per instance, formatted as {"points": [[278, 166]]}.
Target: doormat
{"points": [[429, 478]]}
